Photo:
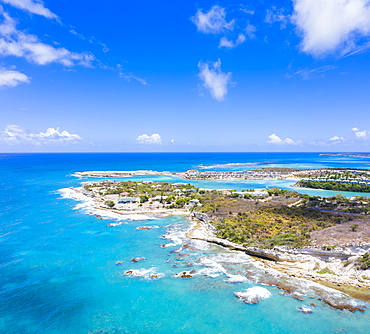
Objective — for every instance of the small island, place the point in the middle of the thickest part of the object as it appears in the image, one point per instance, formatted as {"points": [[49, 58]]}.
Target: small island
{"points": [[354, 155]]}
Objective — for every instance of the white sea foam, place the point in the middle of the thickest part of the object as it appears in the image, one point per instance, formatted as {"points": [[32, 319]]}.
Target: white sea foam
{"points": [[236, 278], [198, 244], [213, 269], [233, 257], [176, 236], [305, 309], [253, 295], [150, 273], [76, 174], [87, 205]]}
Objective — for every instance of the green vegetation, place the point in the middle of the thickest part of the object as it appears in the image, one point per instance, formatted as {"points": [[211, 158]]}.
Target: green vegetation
{"points": [[326, 271], [271, 227], [109, 203], [332, 185], [280, 217], [172, 195], [347, 263], [354, 227], [364, 262], [144, 199], [337, 179]]}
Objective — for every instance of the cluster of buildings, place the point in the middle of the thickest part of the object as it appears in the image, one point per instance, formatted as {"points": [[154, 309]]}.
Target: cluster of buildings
{"points": [[244, 174], [342, 176], [356, 181]]}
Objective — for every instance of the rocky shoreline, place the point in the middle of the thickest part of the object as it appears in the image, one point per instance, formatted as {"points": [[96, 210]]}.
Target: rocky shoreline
{"points": [[331, 271]]}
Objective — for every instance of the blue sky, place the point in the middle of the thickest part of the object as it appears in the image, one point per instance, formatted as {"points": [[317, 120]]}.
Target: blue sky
{"points": [[124, 76]]}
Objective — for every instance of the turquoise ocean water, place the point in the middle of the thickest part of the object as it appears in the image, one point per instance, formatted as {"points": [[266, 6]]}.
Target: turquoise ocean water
{"points": [[58, 271]]}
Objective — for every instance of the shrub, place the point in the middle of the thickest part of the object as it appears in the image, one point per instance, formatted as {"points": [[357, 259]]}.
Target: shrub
{"points": [[109, 203], [354, 227]]}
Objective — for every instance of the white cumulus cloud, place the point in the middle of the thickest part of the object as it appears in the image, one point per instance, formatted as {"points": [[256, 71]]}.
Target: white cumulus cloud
{"points": [[34, 7], [214, 79], [12, 78], [17, 43], [14, 134], [213, 21], [337, 140], [329, 26], [361, 134], [226, 43], [274, 139], [155, 138]]}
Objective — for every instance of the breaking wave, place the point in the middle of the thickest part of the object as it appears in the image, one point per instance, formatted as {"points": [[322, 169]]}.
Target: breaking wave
{"points": [[87, 205], [253, 295]]}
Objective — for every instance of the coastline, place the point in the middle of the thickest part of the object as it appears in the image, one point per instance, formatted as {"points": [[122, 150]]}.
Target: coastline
{"points": [[152, 211], [301, 266], [296, 263], [112, 174]]}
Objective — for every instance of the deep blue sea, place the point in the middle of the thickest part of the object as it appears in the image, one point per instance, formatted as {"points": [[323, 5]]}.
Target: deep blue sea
{"points": [[58, 271]]}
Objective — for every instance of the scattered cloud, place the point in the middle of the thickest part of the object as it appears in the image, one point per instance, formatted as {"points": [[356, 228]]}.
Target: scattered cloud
{"points": [[92, 39], [213, 21], [337, 140], [360, 134], [12, 78], [276, 140], [17, 43], [129, 76], [315, 73], [214, 79], [226, 43], [329, 26], [245, 9], [250, 31], [34, 7], [277, 15], [14, 134], [155, 138]]}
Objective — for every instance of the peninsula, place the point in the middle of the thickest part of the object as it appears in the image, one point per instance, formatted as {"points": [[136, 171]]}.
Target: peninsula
{"points": [[320, 239], [340, 179]]}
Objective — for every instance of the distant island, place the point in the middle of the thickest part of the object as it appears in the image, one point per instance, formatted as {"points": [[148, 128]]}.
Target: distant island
{"points": [[356, 155]]}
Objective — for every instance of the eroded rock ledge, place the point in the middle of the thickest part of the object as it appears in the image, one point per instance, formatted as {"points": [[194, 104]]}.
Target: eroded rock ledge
{"points": [[334, 267]]}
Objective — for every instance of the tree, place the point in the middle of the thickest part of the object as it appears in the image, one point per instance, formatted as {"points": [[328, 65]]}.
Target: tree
{"points": [[109, 203], [144, 199], [354, 227], [180, 202]]}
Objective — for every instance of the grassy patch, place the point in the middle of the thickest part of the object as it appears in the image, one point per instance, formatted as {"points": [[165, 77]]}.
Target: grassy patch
{"points": [[326, 271]]}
